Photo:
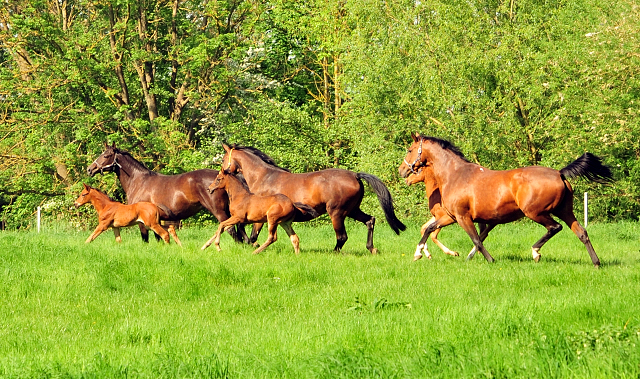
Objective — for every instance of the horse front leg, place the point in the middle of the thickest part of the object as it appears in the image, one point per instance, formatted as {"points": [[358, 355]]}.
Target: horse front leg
{"points": [[467, 224], [255, 231], [484, 232], [216, 237], [99, 229]]}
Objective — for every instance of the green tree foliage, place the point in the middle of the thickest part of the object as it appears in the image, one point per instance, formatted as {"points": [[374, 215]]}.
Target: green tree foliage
{"points": [[315, 84]]}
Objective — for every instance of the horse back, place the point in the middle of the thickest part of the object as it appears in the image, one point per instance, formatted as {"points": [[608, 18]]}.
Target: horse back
{"points": [[316, 189], [178, 196]]}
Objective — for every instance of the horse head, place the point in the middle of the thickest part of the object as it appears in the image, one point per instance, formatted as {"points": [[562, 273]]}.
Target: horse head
{"points": [[229, 163], [106, 161], [220, 181], [84, 196], [413, 160]]}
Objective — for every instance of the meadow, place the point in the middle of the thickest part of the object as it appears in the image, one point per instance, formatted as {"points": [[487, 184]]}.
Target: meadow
{"points": [[138, 310]]}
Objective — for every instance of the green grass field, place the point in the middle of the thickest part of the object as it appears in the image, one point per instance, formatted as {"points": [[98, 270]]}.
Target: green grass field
{"points": [[139, 310]]}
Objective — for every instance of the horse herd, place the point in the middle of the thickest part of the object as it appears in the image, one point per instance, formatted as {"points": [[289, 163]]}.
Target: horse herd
{"points": [[251, 189]]}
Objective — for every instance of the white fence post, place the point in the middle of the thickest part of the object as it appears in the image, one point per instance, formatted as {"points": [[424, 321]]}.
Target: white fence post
{"points": [[586, 210], [38, 218]]}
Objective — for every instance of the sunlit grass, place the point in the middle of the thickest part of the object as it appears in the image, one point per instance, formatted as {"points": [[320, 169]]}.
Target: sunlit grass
{"points": [[150, 310]]}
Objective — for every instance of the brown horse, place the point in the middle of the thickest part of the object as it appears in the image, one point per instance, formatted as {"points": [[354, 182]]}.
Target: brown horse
{"points": [[336, 192], [112, 214], [246, 207], [471, 193], [177, 196], [426, 175]]}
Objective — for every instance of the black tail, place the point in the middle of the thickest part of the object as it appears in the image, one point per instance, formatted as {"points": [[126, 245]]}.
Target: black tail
{"points": [[386, 202], [590, 167], [306, 210]]}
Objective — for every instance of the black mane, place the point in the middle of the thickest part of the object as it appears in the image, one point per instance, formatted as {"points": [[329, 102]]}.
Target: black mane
{"points": [[264, 157], [446, 145], [134, 162]]}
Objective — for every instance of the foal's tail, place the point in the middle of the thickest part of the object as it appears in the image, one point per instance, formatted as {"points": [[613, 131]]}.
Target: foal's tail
{"points": [[306, 210], [386, 202], [590, 167]]}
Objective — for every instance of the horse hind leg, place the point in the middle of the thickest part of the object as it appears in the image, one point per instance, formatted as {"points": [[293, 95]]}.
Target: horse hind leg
{"points": [[273, 237], [370, 222], [116, 233], [295, 241], [570, 219], [172, 231], [160, 232], [553, 228]]}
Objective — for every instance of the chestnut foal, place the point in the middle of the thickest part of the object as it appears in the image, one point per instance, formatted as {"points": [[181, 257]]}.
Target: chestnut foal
{"points": [[116, 215], [246, 208], [426, 175]]}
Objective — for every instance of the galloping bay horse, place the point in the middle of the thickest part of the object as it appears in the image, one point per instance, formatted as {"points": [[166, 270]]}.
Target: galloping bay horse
{"points": [[112, 214], [336, 192], [177, 196], [471, 193], [246, 207]]}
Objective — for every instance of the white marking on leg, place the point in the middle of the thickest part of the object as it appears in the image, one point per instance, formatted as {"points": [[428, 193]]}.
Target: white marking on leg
{"points": [[536, 255], [418, 254], [472, 253]]}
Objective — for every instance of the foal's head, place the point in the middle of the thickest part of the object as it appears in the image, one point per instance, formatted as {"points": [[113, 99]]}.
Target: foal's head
{"points": [[220, 181], [85, 196]]}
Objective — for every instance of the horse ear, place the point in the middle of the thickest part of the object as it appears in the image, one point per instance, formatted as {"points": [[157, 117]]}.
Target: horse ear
{"points": [[106, 144], [415, 136], [113, 145], [86, 186], [226, 147]]}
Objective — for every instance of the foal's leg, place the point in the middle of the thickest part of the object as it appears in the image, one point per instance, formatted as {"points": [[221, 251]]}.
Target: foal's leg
{"points": [[273, 237], [427, 230], [553, 227], [217, 205], [99, 229], [160, 231], [172, 232], [226, 224], [370, 221], [295, 241]]}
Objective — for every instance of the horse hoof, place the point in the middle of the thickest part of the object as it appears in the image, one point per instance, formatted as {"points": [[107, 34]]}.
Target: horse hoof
{"points": [[417, 257], [374, 251], [536, 259]]}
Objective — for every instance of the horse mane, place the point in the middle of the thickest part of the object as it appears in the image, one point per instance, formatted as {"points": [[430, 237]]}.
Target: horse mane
{"points": [[264, 157], [134, 162], [446, 145]]}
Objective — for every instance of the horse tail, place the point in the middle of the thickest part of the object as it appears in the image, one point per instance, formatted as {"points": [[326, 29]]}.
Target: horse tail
{"points": [[306, 210], [384, 197], [590, 167]]}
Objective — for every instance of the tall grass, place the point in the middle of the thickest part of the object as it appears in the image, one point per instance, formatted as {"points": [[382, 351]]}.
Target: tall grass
{"points": [[148, 310]]}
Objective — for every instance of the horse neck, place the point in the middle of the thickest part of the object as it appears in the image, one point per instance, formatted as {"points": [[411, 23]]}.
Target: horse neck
{"points": [[99, 200], [430, 184], [128, 171], [235, 190], [255, 169], [444, 164]]}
